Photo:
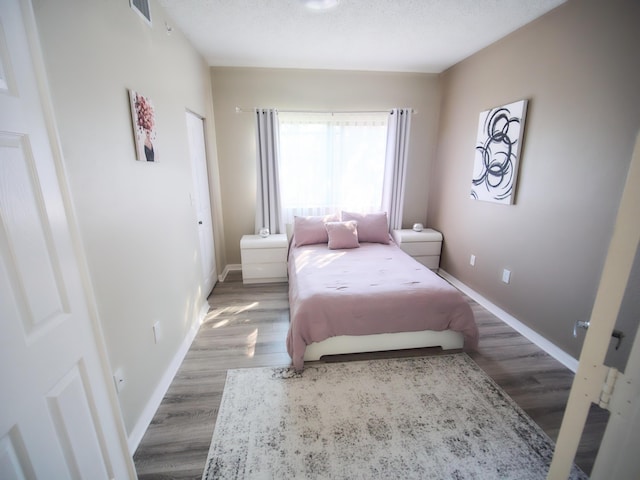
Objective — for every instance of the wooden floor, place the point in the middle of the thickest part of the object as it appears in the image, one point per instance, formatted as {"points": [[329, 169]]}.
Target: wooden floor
{"points": [[246, 327]]}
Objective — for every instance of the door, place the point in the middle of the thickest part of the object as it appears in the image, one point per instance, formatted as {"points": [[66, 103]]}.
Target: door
{"points": [[618, 454], [59, 416], [617, 457], [202, 201]]}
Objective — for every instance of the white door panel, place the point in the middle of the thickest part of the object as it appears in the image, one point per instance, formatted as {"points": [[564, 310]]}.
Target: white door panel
{"points": [[58, 417], [70, 410], [202, 200], [28, 247]]}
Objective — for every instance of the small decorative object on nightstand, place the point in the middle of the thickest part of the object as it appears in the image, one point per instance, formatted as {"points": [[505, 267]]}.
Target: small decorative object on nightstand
{"points": [[424, 245], [264, 259], [418, 227]]}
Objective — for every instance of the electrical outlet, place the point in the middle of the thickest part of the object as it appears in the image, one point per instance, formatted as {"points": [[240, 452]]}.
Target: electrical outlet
{"points": [[156, 332], [506, 276], [472, 260], [118, 378]]}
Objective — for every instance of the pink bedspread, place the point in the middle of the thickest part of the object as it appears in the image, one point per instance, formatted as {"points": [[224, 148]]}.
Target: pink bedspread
{"points": [[367, 290]]}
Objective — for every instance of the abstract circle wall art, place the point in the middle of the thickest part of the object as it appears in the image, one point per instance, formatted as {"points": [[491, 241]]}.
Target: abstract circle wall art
{"points": [[497, 153]]}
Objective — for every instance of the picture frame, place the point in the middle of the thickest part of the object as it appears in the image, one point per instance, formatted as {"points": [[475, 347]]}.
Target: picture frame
{"points": [[497, 153], [144, 126]]}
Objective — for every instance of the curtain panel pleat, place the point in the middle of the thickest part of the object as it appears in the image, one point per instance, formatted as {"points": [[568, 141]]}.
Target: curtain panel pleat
{"points": [[396, 164], [268, 207]]}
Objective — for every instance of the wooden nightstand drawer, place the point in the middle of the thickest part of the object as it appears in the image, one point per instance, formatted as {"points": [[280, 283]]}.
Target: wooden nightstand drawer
{"points": [[263, 255], [264, 272], [411, 236], [264, 260], [425, 246], [430, 261], [416, 249]]}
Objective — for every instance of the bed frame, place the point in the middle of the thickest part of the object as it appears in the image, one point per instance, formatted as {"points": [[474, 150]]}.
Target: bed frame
{"points": [[447, 339]]}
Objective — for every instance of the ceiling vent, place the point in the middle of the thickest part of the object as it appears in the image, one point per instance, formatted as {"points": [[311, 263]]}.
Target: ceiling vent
{"points": [[142, 8]]}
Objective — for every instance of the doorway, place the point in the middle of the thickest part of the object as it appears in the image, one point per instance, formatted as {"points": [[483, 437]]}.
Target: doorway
{"points": [[201, 198]]}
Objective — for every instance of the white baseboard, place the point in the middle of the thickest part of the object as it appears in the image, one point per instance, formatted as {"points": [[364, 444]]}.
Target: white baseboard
{"points": [[534, 337], [135, 437], [234, 267]]}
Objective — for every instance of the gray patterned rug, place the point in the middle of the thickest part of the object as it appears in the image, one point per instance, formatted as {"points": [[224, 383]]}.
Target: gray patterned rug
{"points": [[437, 417]]}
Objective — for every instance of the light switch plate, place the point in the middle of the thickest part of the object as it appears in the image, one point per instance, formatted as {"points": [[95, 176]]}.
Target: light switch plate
{"points": [[506, 275], [156, 332]]}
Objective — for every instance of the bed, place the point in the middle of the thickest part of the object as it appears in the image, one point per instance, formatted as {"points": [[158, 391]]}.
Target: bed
{"points": [[370, 296]]}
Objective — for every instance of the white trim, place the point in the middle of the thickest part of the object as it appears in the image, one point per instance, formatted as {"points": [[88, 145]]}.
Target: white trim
{"points": [[135, 437], [233, 267], [552, 349]]}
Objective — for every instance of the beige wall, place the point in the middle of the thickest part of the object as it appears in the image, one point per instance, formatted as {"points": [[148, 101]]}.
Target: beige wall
{"points": [[580, 69], [313, 90], [136, 220]]}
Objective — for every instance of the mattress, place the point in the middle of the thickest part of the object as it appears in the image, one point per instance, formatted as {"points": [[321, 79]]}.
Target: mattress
{"points": [[373, 289]]}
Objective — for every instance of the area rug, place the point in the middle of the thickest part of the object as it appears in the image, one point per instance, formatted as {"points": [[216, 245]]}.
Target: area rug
{"points": [[438, 417]]}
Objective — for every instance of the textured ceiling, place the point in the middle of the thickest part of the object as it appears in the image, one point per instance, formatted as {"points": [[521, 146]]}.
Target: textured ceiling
{"points": [[383, 35]]}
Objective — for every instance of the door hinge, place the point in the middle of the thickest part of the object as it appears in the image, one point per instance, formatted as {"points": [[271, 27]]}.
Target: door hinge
{"points": [[608, 387]]}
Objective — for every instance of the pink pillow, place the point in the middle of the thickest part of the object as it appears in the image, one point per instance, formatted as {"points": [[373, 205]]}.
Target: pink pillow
{"points": [[310, 230], [342, 234], [372, 227]]}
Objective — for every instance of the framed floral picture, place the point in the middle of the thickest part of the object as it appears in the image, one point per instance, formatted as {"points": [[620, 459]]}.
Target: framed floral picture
{"points": [[144, 126]]}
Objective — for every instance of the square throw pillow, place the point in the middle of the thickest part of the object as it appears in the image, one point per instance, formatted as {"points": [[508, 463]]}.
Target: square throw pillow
{"points": [[372, 227], [311, 230], [342, 234]]}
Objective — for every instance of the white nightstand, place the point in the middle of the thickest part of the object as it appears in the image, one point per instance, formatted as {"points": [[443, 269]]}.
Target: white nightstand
{"points": [[264, 260], [424, 246]]}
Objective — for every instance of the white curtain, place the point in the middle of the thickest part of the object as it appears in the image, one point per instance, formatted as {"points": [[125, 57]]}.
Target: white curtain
{"points": [[331, 161], [268, 207], [396, 164]]}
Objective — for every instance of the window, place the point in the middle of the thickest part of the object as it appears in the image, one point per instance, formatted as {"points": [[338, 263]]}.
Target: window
{"points": [[330, 162]]}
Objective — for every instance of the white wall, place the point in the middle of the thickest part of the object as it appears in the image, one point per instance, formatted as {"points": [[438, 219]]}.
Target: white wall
{"points": [[136, 219]]}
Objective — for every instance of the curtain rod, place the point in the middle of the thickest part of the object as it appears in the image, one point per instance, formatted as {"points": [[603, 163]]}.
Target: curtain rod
{"points": [[252, 110]]}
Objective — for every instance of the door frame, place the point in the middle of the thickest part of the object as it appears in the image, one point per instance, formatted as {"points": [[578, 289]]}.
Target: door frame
{"points": [[591, 374], [208, 277]]}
